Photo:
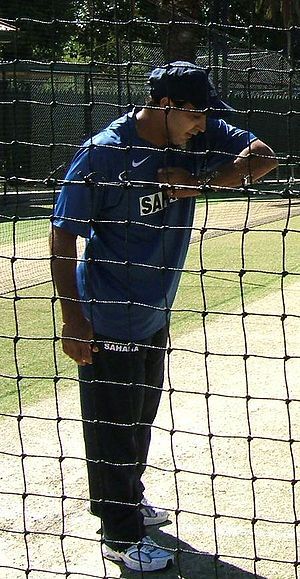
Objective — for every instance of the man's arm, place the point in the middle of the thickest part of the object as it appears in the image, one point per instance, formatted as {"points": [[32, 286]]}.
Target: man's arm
{"points": [[77, 331], [255, 161]]}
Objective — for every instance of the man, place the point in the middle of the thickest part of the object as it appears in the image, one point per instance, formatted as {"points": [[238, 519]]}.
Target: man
{"points": [[130, 191]]}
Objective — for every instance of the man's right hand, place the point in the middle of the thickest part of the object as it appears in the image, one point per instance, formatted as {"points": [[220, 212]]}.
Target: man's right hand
{"points": [[77, 332], [77, 343]]}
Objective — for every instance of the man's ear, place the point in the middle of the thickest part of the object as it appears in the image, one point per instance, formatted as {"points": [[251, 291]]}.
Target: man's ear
{"points": [[166, 102]]}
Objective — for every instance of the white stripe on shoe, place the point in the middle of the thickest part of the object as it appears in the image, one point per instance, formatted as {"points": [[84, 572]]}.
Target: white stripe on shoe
{"points": [[143, 556], [153, 515]]}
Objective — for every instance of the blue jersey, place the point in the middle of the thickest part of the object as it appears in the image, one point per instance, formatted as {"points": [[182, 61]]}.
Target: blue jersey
{"points": [[137, 238]]}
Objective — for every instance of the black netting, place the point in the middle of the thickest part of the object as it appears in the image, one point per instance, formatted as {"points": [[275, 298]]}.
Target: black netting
{"points": [[225, 451]]}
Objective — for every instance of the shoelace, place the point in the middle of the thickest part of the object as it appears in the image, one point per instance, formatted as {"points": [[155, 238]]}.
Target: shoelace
{"points": [[148, 545], [149, 510], [146, 505], [145, 502]]}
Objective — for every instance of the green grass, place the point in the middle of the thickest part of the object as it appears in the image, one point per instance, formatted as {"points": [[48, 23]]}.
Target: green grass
{"points": [[28, 365], [23, 230], [24, 221], [259, 253]]}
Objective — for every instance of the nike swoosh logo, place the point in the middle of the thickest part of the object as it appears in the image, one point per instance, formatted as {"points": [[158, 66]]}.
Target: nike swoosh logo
{"points": [[138, 163]]}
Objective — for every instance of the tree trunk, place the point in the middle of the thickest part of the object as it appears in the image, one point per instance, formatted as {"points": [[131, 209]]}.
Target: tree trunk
{"points": [[180, 37]]}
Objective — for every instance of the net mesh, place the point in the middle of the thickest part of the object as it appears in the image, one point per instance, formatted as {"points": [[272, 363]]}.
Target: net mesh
{"points": [[225, 451]]}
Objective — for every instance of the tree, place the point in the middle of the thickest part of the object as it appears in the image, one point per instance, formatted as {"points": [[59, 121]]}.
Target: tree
{"points": [[42, 27], [286, 14], [94, 30], [181, 38]]}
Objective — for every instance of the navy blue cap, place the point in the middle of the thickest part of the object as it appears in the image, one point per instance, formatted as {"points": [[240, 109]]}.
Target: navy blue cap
{"points": [[186, 82]]}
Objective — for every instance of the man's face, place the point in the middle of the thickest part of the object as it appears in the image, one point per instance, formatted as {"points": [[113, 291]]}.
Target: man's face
{"points": [[181, 125]]}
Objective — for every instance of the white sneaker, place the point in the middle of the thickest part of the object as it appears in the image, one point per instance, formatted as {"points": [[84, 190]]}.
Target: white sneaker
{"points": [[144, 556], [153, 515]]}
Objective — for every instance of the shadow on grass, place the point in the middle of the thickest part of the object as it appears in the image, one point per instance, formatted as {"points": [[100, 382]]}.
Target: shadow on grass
{"points": [[26, 204], [25, 210]]}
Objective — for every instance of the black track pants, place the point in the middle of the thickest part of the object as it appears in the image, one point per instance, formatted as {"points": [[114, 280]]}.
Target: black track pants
{"points": [[120, 394]]}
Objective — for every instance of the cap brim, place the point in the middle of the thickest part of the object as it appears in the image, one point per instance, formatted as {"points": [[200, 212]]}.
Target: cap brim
{"points": [[215, 107]]}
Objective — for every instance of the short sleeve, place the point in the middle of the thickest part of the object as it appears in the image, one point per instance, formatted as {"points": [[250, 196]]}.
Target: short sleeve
{"points": [[80, 198], [223, 143]]}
